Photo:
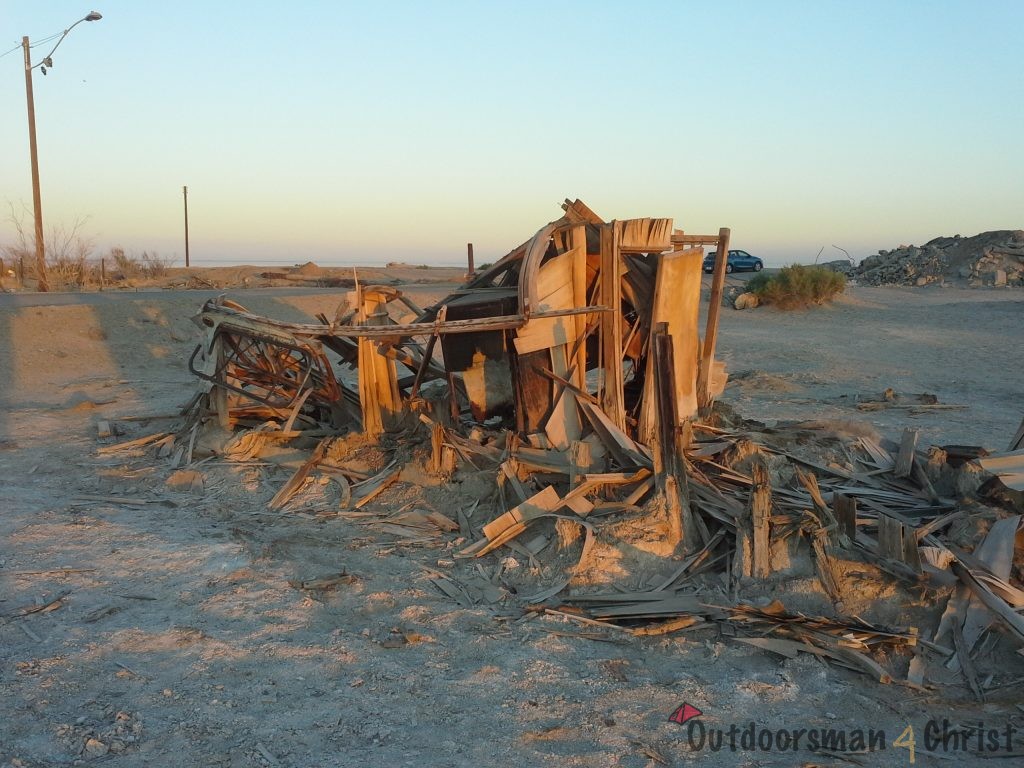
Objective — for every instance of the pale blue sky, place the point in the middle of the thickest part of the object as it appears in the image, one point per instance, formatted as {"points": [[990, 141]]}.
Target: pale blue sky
{"points": [[367, 132]]}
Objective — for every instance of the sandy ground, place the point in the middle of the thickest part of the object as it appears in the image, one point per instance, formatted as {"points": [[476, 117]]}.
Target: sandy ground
{"points": [[183, 636]]}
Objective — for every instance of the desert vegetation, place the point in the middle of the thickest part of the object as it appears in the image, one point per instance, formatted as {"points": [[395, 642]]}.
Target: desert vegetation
{"points": [[797, 286], [71, 260]]}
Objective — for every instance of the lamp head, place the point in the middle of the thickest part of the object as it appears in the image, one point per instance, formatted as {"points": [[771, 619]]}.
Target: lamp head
{"points": [[94, 16]]}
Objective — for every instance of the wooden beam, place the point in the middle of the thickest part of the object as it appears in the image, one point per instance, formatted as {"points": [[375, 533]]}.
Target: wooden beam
{"points": [[711, 330], [579, 296], [612, 397], [212, 316], [684, 239]]}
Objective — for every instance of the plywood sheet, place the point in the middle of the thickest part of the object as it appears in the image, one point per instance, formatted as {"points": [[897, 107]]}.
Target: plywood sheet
{"points": [[676, 302]]}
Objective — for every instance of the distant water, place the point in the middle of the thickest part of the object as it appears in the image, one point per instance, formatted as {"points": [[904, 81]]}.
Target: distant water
{"points": [[286, 262]]}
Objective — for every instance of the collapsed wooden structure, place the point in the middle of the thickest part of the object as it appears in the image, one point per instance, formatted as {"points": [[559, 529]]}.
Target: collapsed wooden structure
{"points": [[583, 341], [574, 370]]}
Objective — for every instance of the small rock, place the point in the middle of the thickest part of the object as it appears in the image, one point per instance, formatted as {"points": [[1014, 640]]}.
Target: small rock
{"points": [[186, 481], [96, 748]]}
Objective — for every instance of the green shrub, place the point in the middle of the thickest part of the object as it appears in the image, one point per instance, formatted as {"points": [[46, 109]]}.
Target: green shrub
{"points": [[797, 286]]}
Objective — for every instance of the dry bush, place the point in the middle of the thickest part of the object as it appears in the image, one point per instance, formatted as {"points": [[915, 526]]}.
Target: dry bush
{"points": [[67, 251], [155, 265], [130, 266], [127, 266], [67, 257], [797, 286], [22, 250]]}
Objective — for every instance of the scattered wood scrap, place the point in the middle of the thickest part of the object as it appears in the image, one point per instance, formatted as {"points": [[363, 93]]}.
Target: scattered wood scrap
{"points": [[573, 373]]}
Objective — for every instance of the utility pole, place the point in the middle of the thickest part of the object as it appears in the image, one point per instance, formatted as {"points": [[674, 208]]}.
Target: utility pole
{"points": [[184, 191], [37, 201]]}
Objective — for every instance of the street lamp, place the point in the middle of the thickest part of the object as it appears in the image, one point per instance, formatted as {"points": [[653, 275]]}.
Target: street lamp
{"points": [[37, 204]]}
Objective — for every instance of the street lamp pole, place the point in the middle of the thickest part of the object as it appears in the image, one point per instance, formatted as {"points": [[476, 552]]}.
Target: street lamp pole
{"points": [[37, 201]]}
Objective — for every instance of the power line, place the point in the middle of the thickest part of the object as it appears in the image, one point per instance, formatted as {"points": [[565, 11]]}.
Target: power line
{"points": [[43, 41]]}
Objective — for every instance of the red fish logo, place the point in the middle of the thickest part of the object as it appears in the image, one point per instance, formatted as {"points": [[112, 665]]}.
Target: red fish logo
{"points": [[683, 713]]}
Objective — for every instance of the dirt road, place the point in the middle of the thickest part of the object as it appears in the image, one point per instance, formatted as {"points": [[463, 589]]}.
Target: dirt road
{"points": [[143, 623]]}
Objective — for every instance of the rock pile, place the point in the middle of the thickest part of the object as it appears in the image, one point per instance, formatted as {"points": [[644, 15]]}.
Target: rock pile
{"points": [[991, 258]]}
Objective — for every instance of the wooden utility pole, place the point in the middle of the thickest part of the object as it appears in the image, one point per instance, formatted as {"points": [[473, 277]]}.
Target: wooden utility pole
{"points": [[471, 272], [37, 202], [184, 192]]}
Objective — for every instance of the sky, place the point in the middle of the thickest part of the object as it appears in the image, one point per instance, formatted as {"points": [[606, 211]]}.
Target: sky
{"points": [[399, 131]]}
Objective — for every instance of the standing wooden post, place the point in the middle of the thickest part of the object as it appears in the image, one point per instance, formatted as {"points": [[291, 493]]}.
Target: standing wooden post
{"points": [[103, 273], [845, 510], [471, 272], [711, 331], [760, 516], [184, 192], [612, 397]]}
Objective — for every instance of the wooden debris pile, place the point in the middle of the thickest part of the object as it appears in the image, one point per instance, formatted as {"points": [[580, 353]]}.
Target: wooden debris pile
{"points": [[582, 343], [573, 372]]}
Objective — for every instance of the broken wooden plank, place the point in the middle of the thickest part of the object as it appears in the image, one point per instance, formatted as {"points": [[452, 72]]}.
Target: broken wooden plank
{"points": [[622, 447], [563, 425], [1008, 467], [1013, 620], [543, 502], [1018, 438], [291, 487], [905, 457], [644, 235], [996, 554], [375, 485], [124, 500], [139, 442]]}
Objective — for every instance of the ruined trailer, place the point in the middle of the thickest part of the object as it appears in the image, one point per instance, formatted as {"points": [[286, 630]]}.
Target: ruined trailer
{"points": [[558, 340]]}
